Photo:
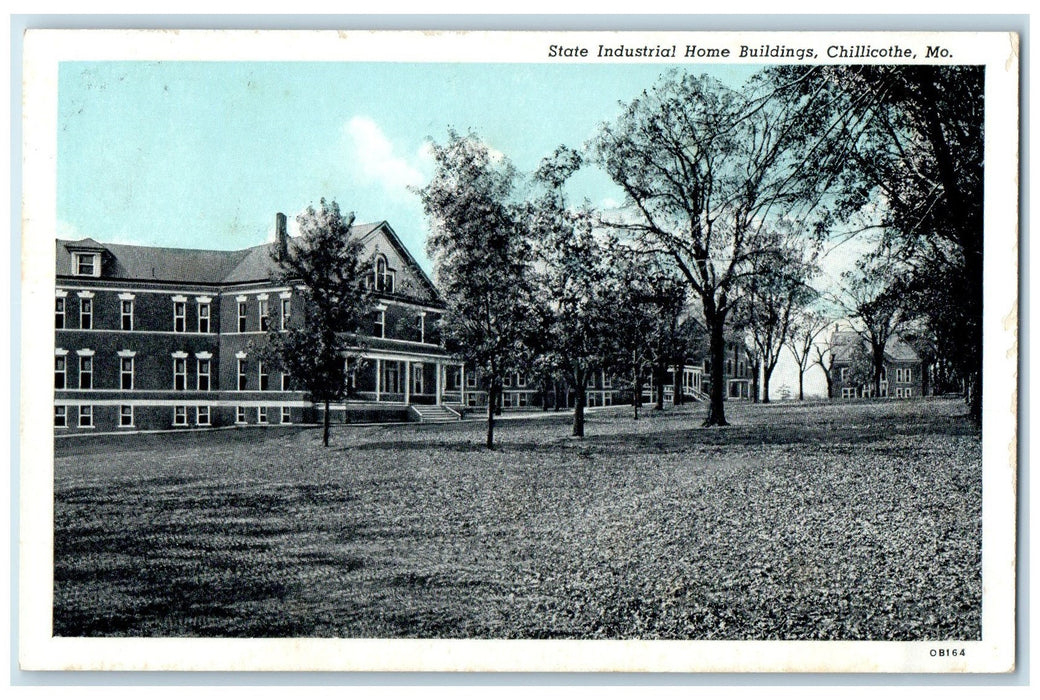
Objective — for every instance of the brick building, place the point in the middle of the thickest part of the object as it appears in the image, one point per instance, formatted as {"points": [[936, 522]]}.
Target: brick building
{"points": [[150, 338], [901, 375]]}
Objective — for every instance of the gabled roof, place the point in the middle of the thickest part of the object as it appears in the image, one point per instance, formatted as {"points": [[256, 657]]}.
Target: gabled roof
{"points": [[216, 267], [844, 343], [395, 241]]}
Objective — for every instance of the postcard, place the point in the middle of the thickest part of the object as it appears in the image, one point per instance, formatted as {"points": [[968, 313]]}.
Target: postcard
{"points": [[519, 351]]}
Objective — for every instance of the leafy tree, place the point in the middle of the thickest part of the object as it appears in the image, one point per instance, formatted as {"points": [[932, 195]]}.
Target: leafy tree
{"points": [[327, 273], [806, 327], [873, 297], [481, 255], [773, 293], [572, 273], [909, 142], [708, 170]]}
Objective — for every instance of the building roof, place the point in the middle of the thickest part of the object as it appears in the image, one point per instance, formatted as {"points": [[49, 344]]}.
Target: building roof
{"points": [[844, 343], [215, 267]]}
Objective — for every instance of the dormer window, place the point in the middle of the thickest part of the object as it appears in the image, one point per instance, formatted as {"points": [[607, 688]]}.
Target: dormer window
{"points": [[86, 264]]}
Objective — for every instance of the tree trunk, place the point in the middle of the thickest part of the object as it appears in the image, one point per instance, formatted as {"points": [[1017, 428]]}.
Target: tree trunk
{"points": [[830, 383], [579, 411], [659, 380], [879, 364], [801, 384], [767, 373], [637, 390], [677, 385], [491, 416], [325, 421], [717, 350]]}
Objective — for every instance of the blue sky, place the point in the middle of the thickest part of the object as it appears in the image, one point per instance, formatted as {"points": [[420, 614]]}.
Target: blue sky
{"points": [[200, 154]]}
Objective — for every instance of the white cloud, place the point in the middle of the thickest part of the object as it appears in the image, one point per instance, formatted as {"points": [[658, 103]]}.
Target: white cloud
{"points": [[374, 153]]}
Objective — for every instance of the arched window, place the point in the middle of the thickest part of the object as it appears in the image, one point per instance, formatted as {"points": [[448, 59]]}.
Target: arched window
{"points": [[384, 276]]}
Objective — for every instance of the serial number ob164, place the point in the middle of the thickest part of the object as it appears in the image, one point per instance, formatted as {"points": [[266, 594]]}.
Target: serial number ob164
{"points": [[946, 652]]}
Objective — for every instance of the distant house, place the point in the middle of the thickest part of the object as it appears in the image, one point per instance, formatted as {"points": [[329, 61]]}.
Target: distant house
{"points": [[150, 338], [901, 374]]}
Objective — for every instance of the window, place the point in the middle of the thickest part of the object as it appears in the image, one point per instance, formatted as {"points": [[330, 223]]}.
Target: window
{"points": [[60, 417], [126, 373], [126, 416], [86, 416], [126, 314], [908, 392], [264, 316], [179, 314], [204, 310], [203, 374], [86, 313], [729, 366], [241, 317], [508, 380], [240, 414], [384, 276], [844, 374], [180, 374], [59, 371], [286, 414], [202, 415], [606, 381], [261, 372], [848, 393], [85, 264], [261, 414], [242, 380], [521, 380], [379, 325], [286, 312], [471, 380], [908, 376], [180, 415], [59, 312], [86, 372], [422, 326], [285, 381]]}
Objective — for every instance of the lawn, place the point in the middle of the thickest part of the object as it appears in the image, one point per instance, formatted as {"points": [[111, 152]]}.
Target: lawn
{"points": [[858, 521]]}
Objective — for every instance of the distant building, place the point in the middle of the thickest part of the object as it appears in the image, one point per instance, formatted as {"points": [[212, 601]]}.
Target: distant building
{"points": [[150, 338], [901, 375]]}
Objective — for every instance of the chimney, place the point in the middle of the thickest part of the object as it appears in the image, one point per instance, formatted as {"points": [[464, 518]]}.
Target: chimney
{"points": [[280, 236]]}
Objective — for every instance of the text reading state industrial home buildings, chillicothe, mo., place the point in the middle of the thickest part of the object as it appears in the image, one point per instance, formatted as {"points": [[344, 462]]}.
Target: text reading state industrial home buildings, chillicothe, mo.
{"points": [[763, 51]]}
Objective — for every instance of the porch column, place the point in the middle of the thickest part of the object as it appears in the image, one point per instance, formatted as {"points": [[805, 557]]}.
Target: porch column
{"points": [[407, 380], [440, 370], [379, 376], [462, 383]]}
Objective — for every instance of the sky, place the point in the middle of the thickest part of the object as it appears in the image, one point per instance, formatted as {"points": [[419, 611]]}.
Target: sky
{"points": [[203, 154]]}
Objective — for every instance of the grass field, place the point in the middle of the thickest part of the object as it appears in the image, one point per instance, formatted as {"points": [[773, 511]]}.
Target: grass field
{"points": [[858, 521]]}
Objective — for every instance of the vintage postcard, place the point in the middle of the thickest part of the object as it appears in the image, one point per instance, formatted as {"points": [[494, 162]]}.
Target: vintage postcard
{"points": [[519, 351]]}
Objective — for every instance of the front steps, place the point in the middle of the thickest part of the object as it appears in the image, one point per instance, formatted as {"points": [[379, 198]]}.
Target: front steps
{"points": [[435, 414]]}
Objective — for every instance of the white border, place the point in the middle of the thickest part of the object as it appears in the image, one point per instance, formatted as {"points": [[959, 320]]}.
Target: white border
{"points": [[43, 51]]}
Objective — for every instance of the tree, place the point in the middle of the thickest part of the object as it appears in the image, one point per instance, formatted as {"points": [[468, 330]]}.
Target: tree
{"points": [[773, 292], [572, 274], [707, 171], [481, 258], [806, 327], [910, 141], [326, 272], [824, 357], [873, 295]]}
